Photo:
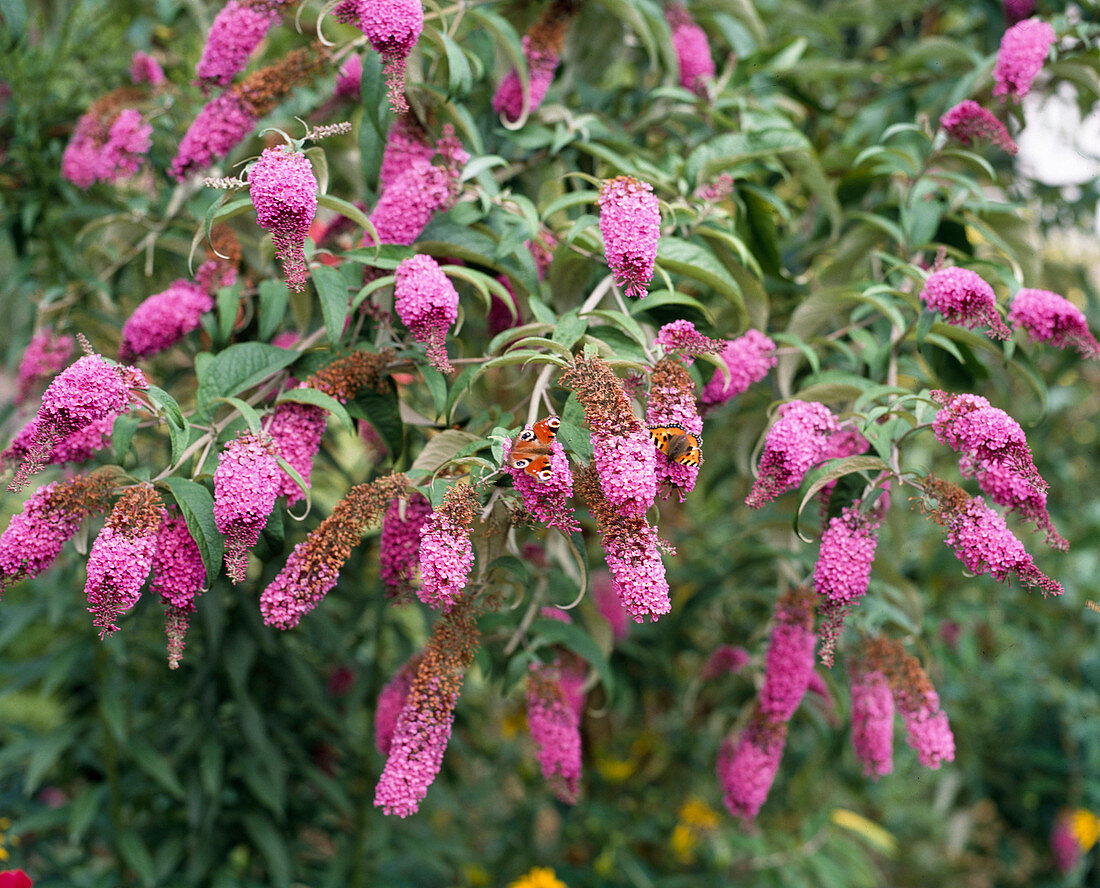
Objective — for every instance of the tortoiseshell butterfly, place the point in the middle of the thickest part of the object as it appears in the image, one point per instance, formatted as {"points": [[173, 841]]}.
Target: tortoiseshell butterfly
{"points": [[678, 444], [531, 448]]}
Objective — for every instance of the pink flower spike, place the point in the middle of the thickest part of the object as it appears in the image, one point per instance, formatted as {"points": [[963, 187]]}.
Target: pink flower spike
{"points": [[427, 303], [179, 576], [724, 660], [794, 443], [237, 30], [1024, 48], [790, 660], [246, 485], [748, 359], [122, 555], [349, 79], [406, 143], [692, 49], [968, 120], [220, 126], [627, 467], [297, 430], [630, 222], [542, 62], [446, 552], [163, 319], [392, 27], [608, 604], [555, 728], [1048, 317], [1017, 10], [747, 766], [681, 338], [965, 300], [146, 69], [85, 393], [872, 722], [390, 703], [843, 567], [284, 191], [399, 544]]}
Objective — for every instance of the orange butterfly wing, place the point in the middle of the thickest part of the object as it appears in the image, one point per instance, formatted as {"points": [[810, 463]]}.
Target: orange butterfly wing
{"points": [[531, 448], [678, 444]]}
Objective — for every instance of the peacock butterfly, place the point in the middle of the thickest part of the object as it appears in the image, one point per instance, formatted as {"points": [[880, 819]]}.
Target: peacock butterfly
{"points": [[531, 448]]}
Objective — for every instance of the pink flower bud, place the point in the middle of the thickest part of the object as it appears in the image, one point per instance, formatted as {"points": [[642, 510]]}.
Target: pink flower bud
{"points": [[630, 222], [964, 299], [284, 191], [246, 484], [163, 319], [427, 303]]}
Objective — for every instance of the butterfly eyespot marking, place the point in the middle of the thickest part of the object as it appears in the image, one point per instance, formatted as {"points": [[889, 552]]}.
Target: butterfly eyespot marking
{"points": [[526, 435], [553, 422], [521, 463], [546, 474], [531, 448]]}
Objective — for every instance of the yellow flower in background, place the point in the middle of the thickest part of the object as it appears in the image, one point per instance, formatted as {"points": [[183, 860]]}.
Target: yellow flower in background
{"points": [[1086, 828], [514, 723], [698, 814], [538, 877], [696, 819]]}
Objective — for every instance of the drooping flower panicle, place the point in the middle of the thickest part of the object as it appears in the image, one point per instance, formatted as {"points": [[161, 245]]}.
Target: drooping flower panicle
{"points": [[297, 430], [122, 555], [1024, 48], [284, 191], [748, 358], [790, 658], [542, 46], [392, 27], [399, 544], [692, 49], [1048, 317], [237, 30], [630, 222], [843, 568], [179, 576], [391, 701], [794, 443], [314, 566], [427, 303], [146, 69], [747, 765], [163, 319], [46, 354], [110, 141], [446, 552], [672, 403], [681, 338], [872, 721], [555, 728], [964, 299], [968, 120], [246, 484], [547, 500], [424, 725]]}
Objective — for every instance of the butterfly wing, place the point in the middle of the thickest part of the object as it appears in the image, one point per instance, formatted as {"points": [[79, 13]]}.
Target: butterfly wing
{"points": [[677, 443], [546, 430], [531, 448]]}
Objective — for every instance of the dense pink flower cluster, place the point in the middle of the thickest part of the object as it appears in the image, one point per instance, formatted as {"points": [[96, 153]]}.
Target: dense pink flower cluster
{"points": [[749, 358], [146, 69], [122, 555], [392, 27], [350, 79], [1048, 317], [446, 552], [246, 485], [964, 299], [179, 576], [724, 660], [399, 545], [51, 515], [994, 449], [416, 750], [630, 222], [790, 658], [794, 443], [547, 500], [747, 767], [88, 391], [236, 32], [542, 62], [77, 447], [928, 732], [220, 126], [45, 355], [406, 143], [106, 151], [638, 572], [692, 49], [845, 442], [284, 191], [688, 343], [1064, 846], [627, 466], [555, 727], [968, 120], [427, 303], [409, 202], [843, 567], [296, 430], [872, 721], [1024, 48], [984, 544], [163, 319], [390, 703]]}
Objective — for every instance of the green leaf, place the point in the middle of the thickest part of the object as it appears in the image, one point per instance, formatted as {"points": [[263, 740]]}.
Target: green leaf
{"points": [[178, 428], [47, 750], [240, 367], [437, 385], [122, 433], [459, 76], [831, 471], [333, 293], [350, 211], [83, 809], [245, 409], [136, 856], [573, 433], [441, 449], [197, 506], [272, 846], [696, 262], [155, 765], [579, 642], [319, 399], [569, 330], [514, 566], [229, 304], [720, 153], [381, 411]]}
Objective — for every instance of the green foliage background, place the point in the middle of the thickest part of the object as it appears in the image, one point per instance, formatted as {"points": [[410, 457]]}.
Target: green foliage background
{"points": [[245, 768]]}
